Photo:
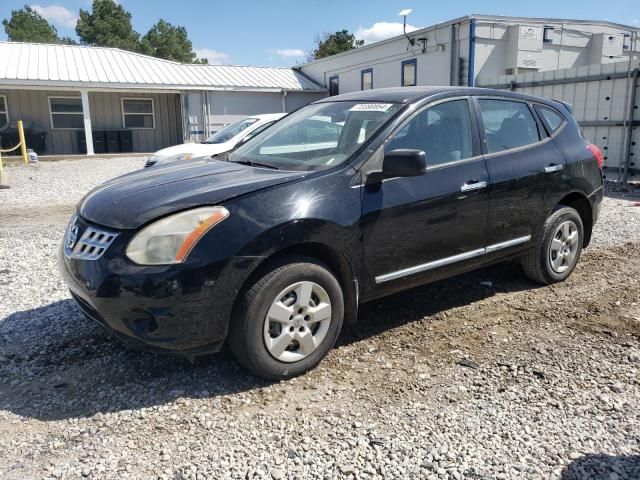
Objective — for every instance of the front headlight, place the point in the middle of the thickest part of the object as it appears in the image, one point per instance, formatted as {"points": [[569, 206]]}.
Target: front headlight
{"points": [[171, 239]]}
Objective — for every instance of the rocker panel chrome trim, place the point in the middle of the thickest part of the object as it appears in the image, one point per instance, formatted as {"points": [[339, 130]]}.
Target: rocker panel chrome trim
{"points": [[449, 260]]}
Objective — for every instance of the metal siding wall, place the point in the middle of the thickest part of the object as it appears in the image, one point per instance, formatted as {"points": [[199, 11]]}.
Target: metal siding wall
{"points": [[33, 106], [296, 100], [600, 100], [106, 113]]}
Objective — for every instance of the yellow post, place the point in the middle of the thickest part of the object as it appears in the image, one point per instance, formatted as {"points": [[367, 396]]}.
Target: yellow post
{"points": [[23, 144]]}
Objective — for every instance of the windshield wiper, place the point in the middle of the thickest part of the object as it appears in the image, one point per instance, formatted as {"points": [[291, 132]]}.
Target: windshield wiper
{"points": [[254, 164]]}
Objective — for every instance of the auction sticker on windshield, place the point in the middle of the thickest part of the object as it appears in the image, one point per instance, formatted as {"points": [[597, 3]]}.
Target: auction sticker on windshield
{"points": [[371, 107]]}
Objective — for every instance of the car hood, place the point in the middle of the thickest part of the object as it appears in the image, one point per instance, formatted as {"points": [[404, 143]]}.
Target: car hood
{"points": [[197, 149], [130, 201]]}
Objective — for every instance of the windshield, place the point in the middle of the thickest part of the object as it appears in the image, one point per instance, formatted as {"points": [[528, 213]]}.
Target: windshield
{"points": [[317, 136], [230, 131]]}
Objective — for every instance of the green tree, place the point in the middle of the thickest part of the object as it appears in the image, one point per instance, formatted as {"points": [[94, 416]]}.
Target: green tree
{"points": [[27, 25], [107, 25], [331, 43], [166, 41]]}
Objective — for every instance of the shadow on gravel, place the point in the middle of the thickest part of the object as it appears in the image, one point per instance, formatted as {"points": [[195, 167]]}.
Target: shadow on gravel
{"points": [[56, 364], [413, 305], [629, 192], [605, 467]]}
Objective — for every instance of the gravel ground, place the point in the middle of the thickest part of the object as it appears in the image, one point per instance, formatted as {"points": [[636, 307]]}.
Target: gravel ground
{"points": [[484, 376]]}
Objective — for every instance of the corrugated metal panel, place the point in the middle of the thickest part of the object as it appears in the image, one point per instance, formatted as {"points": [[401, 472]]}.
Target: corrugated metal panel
{"points": [[60, 65]]}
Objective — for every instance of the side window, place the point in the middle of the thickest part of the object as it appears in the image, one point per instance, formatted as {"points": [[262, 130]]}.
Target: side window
{"points": [[443, 132], [552, 119], [508, 125]]}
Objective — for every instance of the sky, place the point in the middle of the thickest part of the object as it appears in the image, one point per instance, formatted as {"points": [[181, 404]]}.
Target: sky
{"points": [[280, 32]]}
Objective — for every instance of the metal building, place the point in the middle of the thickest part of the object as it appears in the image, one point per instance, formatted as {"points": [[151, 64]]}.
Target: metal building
{"points": [[77, 99], [475, 47]]}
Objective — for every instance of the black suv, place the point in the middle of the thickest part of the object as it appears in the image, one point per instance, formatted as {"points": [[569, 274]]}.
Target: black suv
{"points": [[348, 199]]}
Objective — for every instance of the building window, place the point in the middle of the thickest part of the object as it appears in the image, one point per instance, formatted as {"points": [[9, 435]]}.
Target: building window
{"points": [[546, 34], [366, 79], [626, 42], [138, 113], [4, 112], [66, 113], [334, 85], [409, 73]]}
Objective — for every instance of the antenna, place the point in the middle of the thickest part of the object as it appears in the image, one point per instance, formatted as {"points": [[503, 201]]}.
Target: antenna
{"points": [[404, 14]]}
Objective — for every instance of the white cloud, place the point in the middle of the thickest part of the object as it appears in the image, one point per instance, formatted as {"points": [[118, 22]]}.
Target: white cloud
{"points": [[381, 30], [58, 15], [286, 52], [214, 56]]}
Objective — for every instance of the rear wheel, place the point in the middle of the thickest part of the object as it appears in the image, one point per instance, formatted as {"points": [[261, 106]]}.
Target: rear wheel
{"points": [[287, 320], [558, 249]]}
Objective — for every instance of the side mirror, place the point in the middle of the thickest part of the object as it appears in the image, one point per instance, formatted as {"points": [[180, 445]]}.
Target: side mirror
{"points": [[404, 162]]}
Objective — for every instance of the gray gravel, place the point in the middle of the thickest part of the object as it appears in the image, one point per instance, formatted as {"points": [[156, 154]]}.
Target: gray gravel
{"points": [[62, 182], [478, 377]]}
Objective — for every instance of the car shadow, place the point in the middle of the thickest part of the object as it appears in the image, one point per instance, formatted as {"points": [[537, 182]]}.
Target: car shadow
{"points": [[417, 303], [629, 192], [56, 364], [601, 466]]}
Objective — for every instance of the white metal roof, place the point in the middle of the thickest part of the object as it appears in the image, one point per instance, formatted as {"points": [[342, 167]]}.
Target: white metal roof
{"points": [[98, 67]]}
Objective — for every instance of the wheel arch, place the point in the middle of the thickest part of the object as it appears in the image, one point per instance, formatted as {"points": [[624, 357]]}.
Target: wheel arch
{"points": [[581, 204], [337, 263]]}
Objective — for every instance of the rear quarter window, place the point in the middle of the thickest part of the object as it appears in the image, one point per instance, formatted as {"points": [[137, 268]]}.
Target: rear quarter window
{"points": [[552, 119]]}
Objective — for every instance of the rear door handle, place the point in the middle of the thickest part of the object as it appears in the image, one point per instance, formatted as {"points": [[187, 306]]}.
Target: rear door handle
{"points": [[554, 167], [472, 185]]}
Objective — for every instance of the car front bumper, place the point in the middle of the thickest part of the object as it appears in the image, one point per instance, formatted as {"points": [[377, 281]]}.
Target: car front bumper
{"points": [[172, 308]]}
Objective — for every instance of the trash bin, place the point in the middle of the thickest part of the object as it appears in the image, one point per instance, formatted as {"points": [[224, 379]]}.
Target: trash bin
{"points": [[126, 141], [112, 139], [82, 141], [99, 144]]}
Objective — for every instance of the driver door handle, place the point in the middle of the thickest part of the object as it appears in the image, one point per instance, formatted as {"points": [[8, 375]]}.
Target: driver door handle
{"points": [[552, 168], [472, 185]]}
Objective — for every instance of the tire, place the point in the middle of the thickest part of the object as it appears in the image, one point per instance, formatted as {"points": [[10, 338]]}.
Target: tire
{"points": [[260, 326], [555, 257]]}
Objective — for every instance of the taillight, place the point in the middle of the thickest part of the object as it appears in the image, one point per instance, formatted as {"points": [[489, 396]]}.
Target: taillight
{"points": [[597, 154]]}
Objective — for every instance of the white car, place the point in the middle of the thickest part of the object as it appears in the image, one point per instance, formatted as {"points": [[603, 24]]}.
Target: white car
{"points": [[220, 142]]}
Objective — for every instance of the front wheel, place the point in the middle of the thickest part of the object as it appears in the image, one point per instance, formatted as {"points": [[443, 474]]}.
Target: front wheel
{"points": [[558, 249], [287, 320]]}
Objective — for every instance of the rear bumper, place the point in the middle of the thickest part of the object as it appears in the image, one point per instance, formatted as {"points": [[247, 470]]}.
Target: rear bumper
{"points": [[596, 203]]}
